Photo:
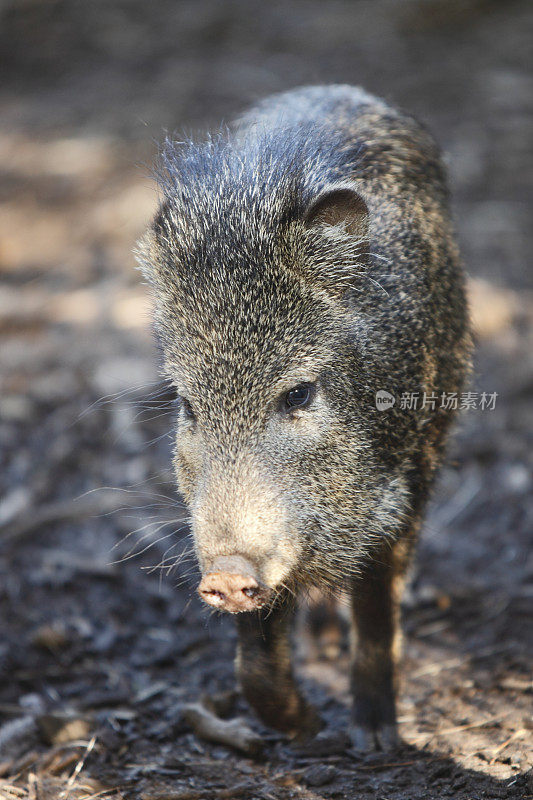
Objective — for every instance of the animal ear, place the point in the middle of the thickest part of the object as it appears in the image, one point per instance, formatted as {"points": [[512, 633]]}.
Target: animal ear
{"points": [[342, 208], [335, 254]]}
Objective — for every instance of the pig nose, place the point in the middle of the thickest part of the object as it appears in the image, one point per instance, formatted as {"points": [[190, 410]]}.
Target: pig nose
{"points": [[231, 585]]}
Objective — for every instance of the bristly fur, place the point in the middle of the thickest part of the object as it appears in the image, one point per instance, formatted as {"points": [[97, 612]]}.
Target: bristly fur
{"points": [[258, 191], [244, 293], [311, 243]]}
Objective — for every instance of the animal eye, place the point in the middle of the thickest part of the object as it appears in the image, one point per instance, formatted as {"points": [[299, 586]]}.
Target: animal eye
{"points": [[299, 397], [186, 406]]}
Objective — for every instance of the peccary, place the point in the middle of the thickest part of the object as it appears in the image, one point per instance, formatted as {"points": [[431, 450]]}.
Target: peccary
{"points": [[302, 261]]}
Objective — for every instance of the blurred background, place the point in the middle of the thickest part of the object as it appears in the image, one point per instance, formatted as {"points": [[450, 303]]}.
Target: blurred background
{"points": [[88, 90]]}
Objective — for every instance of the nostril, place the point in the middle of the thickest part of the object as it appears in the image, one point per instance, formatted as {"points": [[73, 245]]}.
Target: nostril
{"points": [[231, 585], [214, 593]]}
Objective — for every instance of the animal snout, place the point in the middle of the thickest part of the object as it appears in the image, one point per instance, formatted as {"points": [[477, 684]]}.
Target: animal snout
{"points": [[231, 584]]}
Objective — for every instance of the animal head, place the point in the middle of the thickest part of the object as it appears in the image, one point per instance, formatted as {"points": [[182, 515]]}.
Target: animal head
{"points": [[254, 264]]}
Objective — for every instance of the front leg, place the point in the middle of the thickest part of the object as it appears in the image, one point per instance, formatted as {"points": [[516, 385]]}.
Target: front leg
{"points": [[265, 672], [375, 632]]}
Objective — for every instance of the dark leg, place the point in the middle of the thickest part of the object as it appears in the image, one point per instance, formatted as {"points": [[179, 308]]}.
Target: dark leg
{"points": [[326, 626], [375, 600], [265, 673]]}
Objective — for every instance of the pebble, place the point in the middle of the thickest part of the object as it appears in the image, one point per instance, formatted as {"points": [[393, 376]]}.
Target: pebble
{"points": [[319, 774]]}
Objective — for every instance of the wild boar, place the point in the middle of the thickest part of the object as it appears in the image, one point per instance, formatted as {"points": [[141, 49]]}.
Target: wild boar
{"points": [[301, 263]]}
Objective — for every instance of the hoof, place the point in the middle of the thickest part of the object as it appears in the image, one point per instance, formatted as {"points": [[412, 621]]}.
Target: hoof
{"points": [[368, 740], [307, 727]]}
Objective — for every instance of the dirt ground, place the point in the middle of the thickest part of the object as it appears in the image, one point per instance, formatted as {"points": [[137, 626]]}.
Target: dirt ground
{"points": [[103, 644]]}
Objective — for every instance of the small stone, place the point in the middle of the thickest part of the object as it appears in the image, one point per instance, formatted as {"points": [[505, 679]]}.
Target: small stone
{"points": [[319, 774]]}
